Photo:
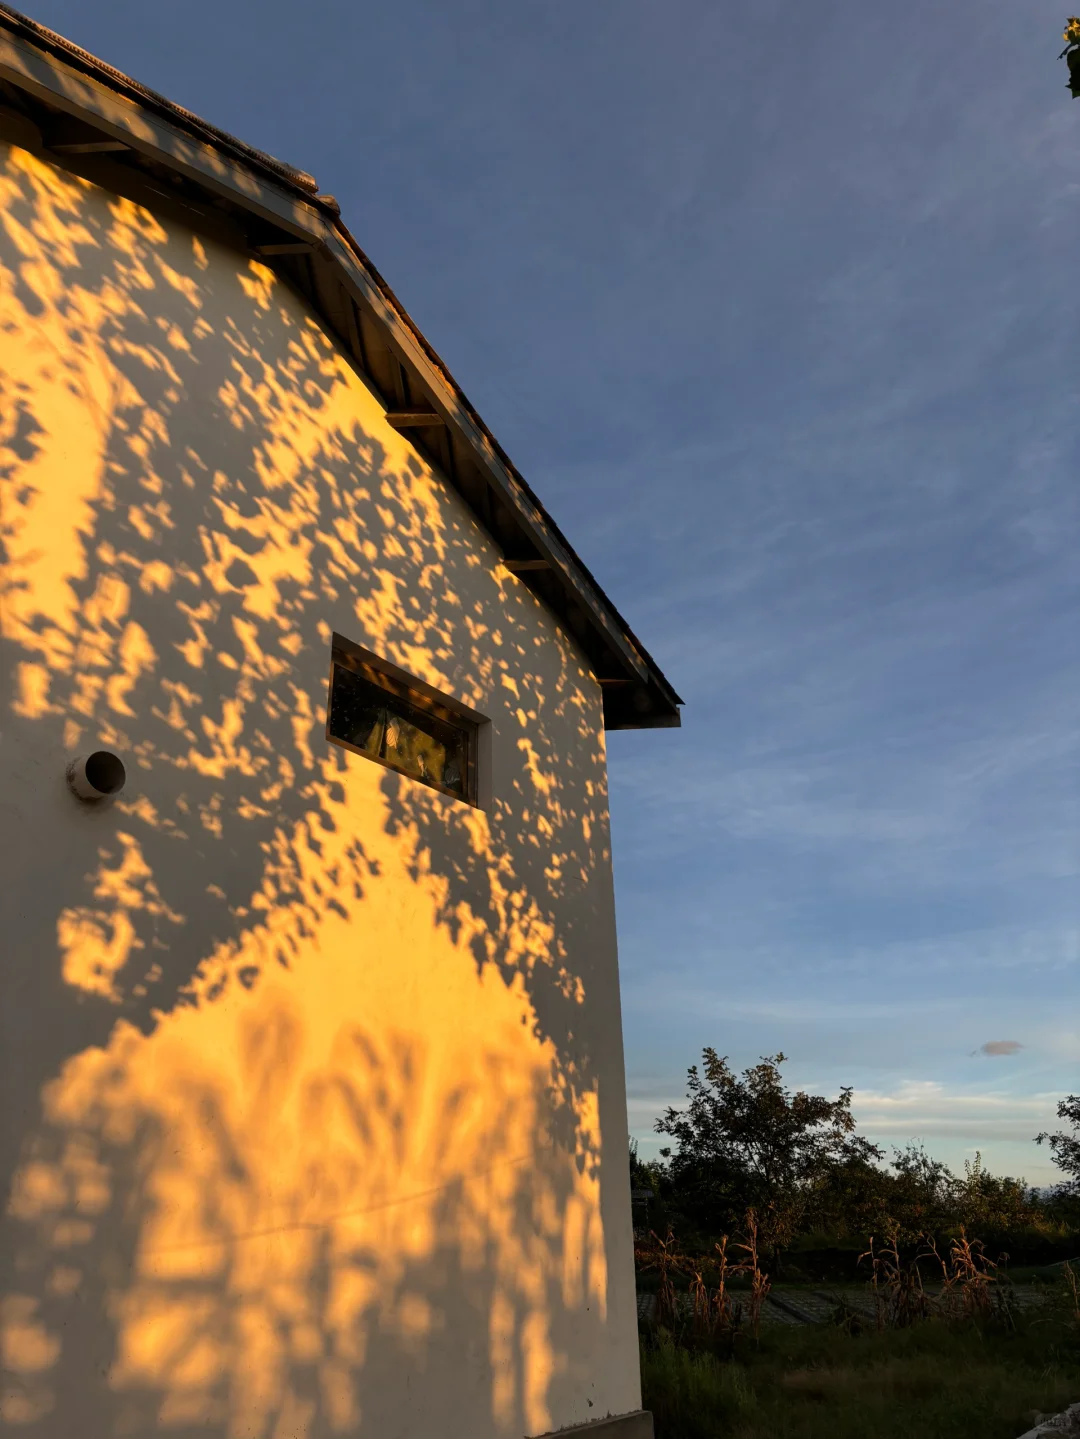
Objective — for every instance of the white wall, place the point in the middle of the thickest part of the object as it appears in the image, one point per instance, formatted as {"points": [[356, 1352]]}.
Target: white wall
{"points": [[313, 1118]]}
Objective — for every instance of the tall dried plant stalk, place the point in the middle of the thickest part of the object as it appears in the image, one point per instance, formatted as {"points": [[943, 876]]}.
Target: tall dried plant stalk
{"points": [[973, 1287], [759, 1280], [663, 1258], [714, 1315], [1074, 1290], [896, 1284]]}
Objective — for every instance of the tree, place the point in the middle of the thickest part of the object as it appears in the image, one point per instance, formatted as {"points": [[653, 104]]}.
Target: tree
{"points": [[920, 1195], [747, 1142], [1066, 1147], [993, 1204], [923, 1193], [1071, 53]]}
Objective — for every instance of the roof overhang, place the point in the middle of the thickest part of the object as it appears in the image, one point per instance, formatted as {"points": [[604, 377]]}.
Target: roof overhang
{"points": [[90, 118]]}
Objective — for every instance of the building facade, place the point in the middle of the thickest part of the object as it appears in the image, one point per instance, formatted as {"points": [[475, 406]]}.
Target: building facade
{"points": [[314, 1116]]}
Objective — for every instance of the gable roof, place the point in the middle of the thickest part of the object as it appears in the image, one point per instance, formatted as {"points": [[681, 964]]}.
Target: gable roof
{"points": [[89, 117]]}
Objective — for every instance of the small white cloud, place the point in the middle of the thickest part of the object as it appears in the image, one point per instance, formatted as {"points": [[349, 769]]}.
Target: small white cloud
{"points": [[927, 1109], [999, 1046]]}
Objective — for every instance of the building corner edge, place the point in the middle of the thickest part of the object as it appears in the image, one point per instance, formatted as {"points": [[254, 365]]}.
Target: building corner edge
{"points": [[635, 1425]]}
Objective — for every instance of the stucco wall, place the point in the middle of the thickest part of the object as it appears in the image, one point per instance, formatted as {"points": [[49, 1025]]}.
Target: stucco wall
{"points": [[313, 1117]]}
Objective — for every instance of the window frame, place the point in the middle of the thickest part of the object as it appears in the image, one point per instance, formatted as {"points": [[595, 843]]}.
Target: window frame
{"points": [[417, 695]]}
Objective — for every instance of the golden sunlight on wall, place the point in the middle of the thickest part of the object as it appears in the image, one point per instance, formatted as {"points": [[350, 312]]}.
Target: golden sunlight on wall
{"points": [[307, 1069]]}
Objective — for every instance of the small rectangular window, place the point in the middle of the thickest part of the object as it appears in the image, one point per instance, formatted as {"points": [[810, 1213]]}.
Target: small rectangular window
{"points": [[380, 712]]}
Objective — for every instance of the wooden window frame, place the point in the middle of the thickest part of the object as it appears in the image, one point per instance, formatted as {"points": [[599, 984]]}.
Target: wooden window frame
{"points": [[418, 696]]}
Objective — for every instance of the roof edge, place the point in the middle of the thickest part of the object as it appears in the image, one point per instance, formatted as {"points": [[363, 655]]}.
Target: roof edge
{"points": [[288, 197]]}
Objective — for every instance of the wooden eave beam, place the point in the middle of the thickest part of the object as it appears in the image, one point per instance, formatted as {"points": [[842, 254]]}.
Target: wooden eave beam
{"points": [[90, 147], [520, 567], [69, 136], [413, 419], [286, 247]]}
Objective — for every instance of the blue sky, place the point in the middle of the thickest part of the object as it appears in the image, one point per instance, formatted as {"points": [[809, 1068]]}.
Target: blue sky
{"points": [[778, 311]]}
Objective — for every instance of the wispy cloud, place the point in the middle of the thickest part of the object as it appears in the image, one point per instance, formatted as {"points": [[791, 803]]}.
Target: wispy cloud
{"points": [[951, 1122], [914, 1109], [995, 1047]]}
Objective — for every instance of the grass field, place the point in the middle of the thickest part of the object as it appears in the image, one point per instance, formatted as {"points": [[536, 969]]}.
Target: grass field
{"points": [[932, 1381]]}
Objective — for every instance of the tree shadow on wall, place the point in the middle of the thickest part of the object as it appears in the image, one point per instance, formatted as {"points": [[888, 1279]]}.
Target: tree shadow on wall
{"points": [[222, 1307], [194, 496]]}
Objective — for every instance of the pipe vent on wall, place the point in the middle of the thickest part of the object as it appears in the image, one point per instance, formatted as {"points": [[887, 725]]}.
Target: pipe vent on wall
{"points": [[100, 775]]}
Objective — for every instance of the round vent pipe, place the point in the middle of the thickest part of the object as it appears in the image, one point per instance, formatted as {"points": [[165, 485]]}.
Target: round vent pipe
{"points": [[100, 775]]}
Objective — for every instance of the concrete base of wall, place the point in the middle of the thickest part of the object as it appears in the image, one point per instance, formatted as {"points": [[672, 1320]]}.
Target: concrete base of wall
{"points": [[637, 1425], [1055, 1426]]}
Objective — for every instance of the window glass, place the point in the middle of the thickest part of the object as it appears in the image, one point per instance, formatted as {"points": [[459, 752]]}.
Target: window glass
{"points": [[386, 727]]}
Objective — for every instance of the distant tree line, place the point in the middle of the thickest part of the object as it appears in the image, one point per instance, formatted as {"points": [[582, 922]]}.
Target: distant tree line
{"points": [[746, 1142]]}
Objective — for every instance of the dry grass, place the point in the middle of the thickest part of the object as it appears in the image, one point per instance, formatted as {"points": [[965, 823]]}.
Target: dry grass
{"points": [[1073, 1287], [950, 1357], [938, 1379], [969, 1284], [715, 1313]]}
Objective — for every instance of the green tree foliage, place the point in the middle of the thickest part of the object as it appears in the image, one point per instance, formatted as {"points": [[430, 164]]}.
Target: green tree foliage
{"points": [[644, 1174], [747, 1142], [991, 1204], [918, 1195], [915, 1194], [1066, 1147], [1071, 53], [922, 1190]]}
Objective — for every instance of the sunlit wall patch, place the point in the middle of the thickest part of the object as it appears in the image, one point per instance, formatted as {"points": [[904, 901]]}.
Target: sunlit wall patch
{"points": [[378, 711]]}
